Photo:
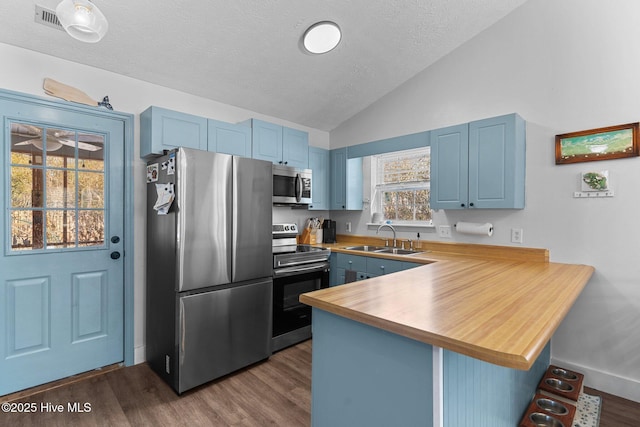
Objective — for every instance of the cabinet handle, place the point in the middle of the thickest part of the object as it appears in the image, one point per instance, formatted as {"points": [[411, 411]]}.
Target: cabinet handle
{"points": [[382, 267], [470, 205], [462, 205], [286, 163], [350, 262]]}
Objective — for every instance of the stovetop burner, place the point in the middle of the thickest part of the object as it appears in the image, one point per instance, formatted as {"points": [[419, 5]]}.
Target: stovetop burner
{"points": [[287, 253]]}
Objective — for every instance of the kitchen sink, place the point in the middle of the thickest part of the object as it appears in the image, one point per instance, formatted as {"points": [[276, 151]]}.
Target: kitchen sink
{"points": [[382, 250], [366, 248]]}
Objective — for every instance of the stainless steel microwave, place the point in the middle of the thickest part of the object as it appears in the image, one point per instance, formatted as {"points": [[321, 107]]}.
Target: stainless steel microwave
{"points": [[291, 186]]}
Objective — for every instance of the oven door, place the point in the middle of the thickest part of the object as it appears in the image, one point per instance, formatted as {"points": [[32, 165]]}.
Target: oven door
{"points": [[289, 314]]}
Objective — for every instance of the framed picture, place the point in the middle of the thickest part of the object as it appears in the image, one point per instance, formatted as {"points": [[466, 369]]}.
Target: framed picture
{"points": [[613, 142]]}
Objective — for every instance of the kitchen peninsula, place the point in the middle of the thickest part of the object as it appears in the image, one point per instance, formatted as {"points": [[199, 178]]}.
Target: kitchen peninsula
{"points": [[462, 340]]}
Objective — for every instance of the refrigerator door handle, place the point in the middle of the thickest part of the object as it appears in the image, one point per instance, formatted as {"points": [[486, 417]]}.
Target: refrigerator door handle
{"points": [[183, 330]]}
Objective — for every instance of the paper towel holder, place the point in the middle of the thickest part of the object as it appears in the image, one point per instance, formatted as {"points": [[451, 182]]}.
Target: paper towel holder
{"points": [[482, 228]]}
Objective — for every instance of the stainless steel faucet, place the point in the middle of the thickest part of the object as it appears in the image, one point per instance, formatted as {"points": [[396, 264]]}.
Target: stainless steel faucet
{"points": [[392, 229]]}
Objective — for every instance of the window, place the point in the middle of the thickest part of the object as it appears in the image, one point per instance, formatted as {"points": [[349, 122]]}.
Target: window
{"points": [[400, 182], [57, 188]]}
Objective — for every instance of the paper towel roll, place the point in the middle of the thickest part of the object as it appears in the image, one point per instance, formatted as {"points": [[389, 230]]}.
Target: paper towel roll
{"points": [[476, 228]]}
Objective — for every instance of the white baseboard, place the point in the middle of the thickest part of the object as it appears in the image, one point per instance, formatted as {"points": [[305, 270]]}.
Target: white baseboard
{"points": [[139, 355], [604, 381]]}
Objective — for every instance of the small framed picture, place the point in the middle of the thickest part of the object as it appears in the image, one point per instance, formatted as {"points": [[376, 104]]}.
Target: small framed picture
{"points": [[613, 142]]}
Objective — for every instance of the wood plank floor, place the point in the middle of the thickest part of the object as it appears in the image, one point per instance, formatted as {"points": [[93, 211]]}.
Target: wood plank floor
{"points": [[276, 392]]}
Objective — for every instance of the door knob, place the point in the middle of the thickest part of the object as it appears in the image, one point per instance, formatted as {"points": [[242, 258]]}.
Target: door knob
{"points": [[115, 255]]}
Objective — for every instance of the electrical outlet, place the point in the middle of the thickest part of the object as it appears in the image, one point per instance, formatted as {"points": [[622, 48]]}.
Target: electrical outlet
{"points": [[516, 235], [348, 227], [444, 231]]}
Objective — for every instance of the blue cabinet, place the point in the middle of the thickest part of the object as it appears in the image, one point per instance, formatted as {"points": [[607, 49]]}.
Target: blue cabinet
{"points": [[319, 165], [364, 267], [346, 181], [162, 129], [295, 148], [479, 165], [228, 138], [279, 144]]}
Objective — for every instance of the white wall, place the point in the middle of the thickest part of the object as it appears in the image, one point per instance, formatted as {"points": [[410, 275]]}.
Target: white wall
{"points": [[24, 71], [564, 66]]}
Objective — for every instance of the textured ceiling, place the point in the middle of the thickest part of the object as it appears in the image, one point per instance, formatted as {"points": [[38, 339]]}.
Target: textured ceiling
{"points": [[247, 53]]}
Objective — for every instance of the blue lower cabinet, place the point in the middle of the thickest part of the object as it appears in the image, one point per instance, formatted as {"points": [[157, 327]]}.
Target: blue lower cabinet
{"points": [[364, 267], [365, 376]]}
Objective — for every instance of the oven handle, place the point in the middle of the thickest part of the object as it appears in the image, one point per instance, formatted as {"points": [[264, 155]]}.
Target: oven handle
{"points": [[290, 271], [306, 261]]}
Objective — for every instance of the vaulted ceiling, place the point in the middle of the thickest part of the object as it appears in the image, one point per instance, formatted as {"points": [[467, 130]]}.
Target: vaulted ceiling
{"points": [[247, 53]]}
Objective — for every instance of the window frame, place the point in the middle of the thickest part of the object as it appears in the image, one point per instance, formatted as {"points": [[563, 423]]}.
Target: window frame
{"points": [[377, 188]]}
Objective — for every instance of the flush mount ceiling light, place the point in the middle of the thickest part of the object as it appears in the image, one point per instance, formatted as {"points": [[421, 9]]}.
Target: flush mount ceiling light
{"points": [[82, 20], [321, 37]]}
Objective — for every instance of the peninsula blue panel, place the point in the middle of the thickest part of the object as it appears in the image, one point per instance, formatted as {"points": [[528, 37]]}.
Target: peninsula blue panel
{"points": [[481, 394], [398, 143], [364, 376]]}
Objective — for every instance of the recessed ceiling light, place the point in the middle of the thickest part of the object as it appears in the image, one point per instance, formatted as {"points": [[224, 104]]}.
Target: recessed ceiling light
{"points": [[321, 37]]}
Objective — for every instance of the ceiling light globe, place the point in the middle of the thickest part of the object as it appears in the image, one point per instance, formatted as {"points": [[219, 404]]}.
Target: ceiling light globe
{"points": [[322, 37], [82, 20]]}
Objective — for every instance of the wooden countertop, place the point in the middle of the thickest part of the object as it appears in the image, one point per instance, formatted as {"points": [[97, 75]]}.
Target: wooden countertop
{"points": [[497, 310]]}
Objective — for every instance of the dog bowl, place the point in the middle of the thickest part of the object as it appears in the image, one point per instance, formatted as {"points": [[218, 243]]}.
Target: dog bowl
{"points": [[559, 385], [564, 374], [552, 406], [544, 420]]}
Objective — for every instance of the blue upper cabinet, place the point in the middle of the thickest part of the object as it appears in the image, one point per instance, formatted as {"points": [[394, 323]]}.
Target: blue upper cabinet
{"points": [[497, 159], [279, 145], [295, 148], [346, 181], [449, 167], [228, 138], [479, 165], [162, 129], [319, 164], [267, 141]]}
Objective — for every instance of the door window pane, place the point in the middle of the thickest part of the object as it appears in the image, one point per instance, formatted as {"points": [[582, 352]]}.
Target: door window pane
{"points": [[61, 188], [57, 174], [26, 187], [26, 230], [90, 190], [90, 228], [61, 228]]}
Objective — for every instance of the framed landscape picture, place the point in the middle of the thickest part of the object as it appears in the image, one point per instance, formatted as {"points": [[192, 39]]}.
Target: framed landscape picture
{"points": [[613, 142]]}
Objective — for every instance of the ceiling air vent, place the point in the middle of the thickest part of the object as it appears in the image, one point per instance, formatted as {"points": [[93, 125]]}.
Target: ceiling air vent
{"points": [[47, 17]]}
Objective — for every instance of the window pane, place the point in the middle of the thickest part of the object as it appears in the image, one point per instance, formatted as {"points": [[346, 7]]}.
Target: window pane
{"points": [[90, 190], [90, 228], [389, 204], [61, 226], [61, 188], [26, 144], [423, 213], [91, 152], [26, 187], [405, 205], [26, 230]]}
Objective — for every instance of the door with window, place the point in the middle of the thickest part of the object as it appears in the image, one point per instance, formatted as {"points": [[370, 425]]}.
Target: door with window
{"points": [[61, 230]]}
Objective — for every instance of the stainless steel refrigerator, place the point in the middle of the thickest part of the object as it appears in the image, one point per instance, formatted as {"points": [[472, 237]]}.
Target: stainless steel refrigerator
{"points": [[209, 265]]}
